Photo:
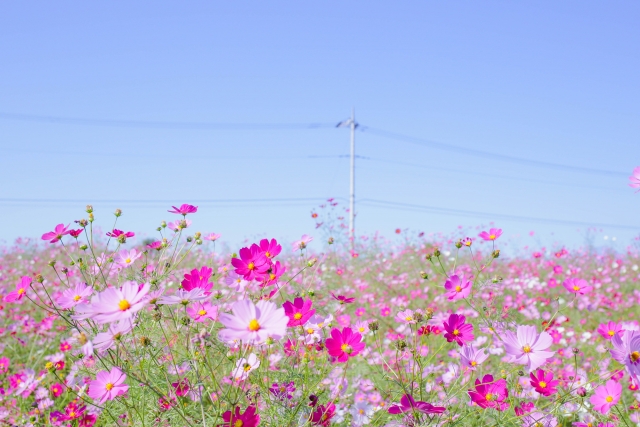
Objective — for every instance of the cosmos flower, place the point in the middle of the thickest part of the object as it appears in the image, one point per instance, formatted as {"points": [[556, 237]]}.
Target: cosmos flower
{"points": [[606, 396], [20, 290], [490, 393], [634, 179], [527, 347], [322, 415], [198, 279], [253, 323], [457, 330], [183, 297], [407, 403], [270, 248], [57, 233], [283, 390], [302, 243], [345, 344], [247, 419], [184, 209], [490, 235], [626, 350], [105, 340], [252, 263], [457, 287], [543, 382], [126, 258], [108, 385], [609, 329], [212, 237], [244, 366], [470, 357], [577, 286], [74, 296], [201, 311], [298, 312], [342, 299], [114, 304]]}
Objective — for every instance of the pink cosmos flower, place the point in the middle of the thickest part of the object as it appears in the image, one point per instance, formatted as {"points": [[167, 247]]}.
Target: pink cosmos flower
{"points": [[345, 344], [157, 245], [407, 403], [114, 304], [126, 258], [406, 317], [302, 243], [183, 297], [105, 340], [524, 408], [526, 347], [178, 225], [322, 415], [212, 237], [20, 291], [626, 350], [490, 393], [271, 248], [244, 366], [539, 419], [74, 296], [201, 311], [253, 323], [57, 233], [235, 282], [108, 385], [4, 365], [181, 387], [247, 419], [272, 275], [492, 234], [298, 312], [634, 179], [198, 279], [342, 299], [56, 389], [117, 233], [577, 286], [609, 329], [252, 263], [283, 390], [457, 287], [184, 209], [606, 396], [544, 383], [470, 357], [457, 330], [467, 241]]}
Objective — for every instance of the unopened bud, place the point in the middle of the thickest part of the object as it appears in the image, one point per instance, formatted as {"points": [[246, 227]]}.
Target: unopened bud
{"points": [[424, 275], [118, 212], [575, 350], [197, 235], [311, 293], [39, 278], [83, 222], [157, 316], [189, 239], [331, 240], [83, 247], [437, 253], [496, 253], [311, 262], [91, 218], [428, 256], [64, 270], [122, 238], [373, 325], [185, 321], [198, 241], [163, 224], [52, 263], [269, 341], [401, 345], [459, 244], [89, 209], [145, 341], [418, 317]]}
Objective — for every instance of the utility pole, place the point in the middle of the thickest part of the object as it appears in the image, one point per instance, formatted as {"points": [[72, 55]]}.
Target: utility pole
{"points": [[352, 186]]}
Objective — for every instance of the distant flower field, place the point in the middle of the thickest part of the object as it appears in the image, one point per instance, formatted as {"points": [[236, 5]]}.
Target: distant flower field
{"points": [[433, 331]]}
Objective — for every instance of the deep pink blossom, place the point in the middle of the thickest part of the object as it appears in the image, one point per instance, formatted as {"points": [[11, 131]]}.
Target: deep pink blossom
{"points": [[252, 263], [457, 330], [20, 290], [198, 279], [544, 383], [345, 344], [322, 415], [57, 233], [492, 234], [609, 329], [253, 323], [490, 393], [283, 390], [181, 387], [247, 419], [457, 287], [527, 347], [342, 299], [184, 209], [407, 403], [4, 365], [108, 385], [271, 248], [577, 286], [606, 396], [299, 311], [118, 233]]}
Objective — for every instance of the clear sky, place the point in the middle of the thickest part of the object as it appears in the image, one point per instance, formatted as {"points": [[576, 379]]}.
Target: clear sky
{"points": [[158, 84]]}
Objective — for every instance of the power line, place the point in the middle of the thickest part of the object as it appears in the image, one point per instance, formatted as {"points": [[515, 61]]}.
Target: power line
{"points": [[486, 154], [166, 201], [161, 124]]}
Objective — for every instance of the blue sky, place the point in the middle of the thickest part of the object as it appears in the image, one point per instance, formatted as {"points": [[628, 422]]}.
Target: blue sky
{"points": [[546, 82]]}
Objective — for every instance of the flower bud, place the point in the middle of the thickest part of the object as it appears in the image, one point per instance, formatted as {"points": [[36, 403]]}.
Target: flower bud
{"points": [[39, 278], [163, 224], [64, 270], [197, 235], [145, 341], [157, 316], [437, 253], [83, 247], [581, 391], [459, 244], [331, 240], [311, 262], [91, 218], [52, 263], [198, 241], [83, 223], [424, 275], [428, 256], [418, 317], [89, 209], [189, 239], [496, 253], [118, 212], [373, 325], [185, 321]]}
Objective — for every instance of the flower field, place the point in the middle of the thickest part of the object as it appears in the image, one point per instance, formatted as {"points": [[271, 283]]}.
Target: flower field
{"points": [[435, 331]]}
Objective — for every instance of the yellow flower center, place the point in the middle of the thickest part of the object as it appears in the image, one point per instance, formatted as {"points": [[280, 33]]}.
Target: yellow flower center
{"points": [[458, 288], [609, 399], [526, 349], [346, 348], [361, 329], [489, 397], [267, 254], [456, 332], [272, 276], [576, 288], [634, 356], [247, 367], [20, 291], [254, 325], [492, 237], [408, 318], [202, 312], [72, 414], [238, 423], [297, 316], [77, 298], [124, 305], [474, 363], [542, 384], [108, 386], [128, 260], [611, 333], [310, 330], [251, 266]]}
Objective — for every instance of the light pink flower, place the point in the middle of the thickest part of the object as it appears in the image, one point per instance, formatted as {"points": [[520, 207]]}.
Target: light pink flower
{"points": [[74, 296], [626, 350], [253, 323], [127, 258], [57, 233], [114, 304], [212, 237], [457, 287], [201, 311], [244, 366], [302, 243], [490, 235], [526, 347], [634, 179], [183, 297], [105, 340], [606, 396], [470, 357], [577, 286], [108, 385]]}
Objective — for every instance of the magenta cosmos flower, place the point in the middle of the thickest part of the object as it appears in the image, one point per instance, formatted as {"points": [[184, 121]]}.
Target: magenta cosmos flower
{"points": [[626, 350], [184, 209], [74, 296], [577, 286], [57, 233], [634, 179], [271, 248], [457, 287], [108, 385], [345, 344], [253, 323], [118, 233], [114, 304], [526, 347], [247, 419], [490, 393], [20, 291], [342, 299], [322, 415], [544, 383], [606, 396], [492, 234], [198, 279], [252, 264], [457, 330], [609, 329], [407, 403], [298, 312]]}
